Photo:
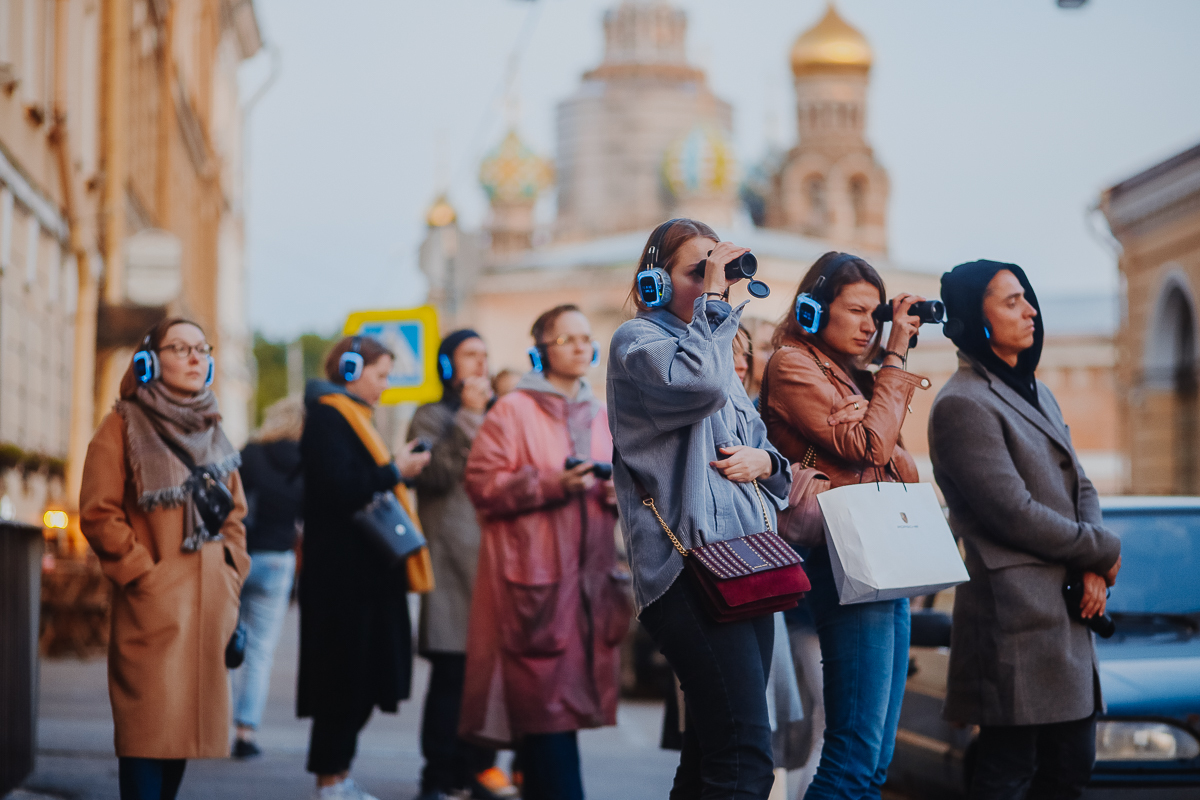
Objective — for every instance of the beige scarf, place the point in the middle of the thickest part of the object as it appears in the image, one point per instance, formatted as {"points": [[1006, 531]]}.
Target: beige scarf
{"points": [[193, 425]]}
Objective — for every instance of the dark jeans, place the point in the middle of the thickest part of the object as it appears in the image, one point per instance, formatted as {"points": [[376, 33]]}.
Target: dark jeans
{"points": [[149, 778], [1034, 762], [450, 762], [334, 740], [550, 762], [722, 668]]}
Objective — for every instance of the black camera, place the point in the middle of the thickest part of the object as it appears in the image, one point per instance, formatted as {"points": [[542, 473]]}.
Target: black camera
{"points": [[1072, 590], [928, 311], [601, 469]]}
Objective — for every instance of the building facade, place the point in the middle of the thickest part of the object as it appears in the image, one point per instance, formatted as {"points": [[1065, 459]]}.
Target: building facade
{"points": [[120, 202], [1155, 215], [826, 193]]}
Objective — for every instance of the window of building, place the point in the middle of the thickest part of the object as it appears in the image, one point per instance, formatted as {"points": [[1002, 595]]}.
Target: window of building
{"points": [[858, 200], [818, 212]]}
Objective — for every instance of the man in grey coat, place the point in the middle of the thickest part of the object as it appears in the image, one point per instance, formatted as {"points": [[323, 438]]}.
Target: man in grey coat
{"points": [[448, 518], [1022, 665]]}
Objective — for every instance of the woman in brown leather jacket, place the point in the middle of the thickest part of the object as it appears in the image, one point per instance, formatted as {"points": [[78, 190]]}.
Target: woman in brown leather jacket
{"points": [[823, 409]]}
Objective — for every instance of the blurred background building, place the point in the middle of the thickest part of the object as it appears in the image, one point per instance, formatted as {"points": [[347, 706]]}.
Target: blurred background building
{"points": [[120, 203], [1155, 216], [644, 139]]}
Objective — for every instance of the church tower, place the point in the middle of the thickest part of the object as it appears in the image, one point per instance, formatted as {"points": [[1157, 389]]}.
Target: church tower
{"points": [[830, 186], [624, 136]]}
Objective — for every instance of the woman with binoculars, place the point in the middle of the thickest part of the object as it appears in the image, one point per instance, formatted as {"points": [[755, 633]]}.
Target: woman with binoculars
{"points": [[823, 410], [687, 436], [549, 610]]}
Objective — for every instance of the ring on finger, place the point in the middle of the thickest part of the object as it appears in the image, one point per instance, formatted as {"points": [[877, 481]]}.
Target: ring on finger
{"points": [[856, 406]]}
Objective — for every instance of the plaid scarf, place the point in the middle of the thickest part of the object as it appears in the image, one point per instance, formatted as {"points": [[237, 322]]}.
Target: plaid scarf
{"points": [[192, 424]]}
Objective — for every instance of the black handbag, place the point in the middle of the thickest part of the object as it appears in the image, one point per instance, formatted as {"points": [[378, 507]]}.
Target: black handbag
{"points": [[213, 499], [388, 530], [235, 651]]}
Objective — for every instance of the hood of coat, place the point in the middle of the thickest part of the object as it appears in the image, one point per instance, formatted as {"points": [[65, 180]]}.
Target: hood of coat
{"points": [[577, 412], [963, 289]]}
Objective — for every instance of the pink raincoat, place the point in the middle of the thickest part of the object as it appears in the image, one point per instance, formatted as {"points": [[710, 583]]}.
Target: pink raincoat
{"points": [[550, 607]]}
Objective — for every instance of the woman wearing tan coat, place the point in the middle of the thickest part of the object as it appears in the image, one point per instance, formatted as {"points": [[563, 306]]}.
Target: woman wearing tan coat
{"points": [[176, 584]]}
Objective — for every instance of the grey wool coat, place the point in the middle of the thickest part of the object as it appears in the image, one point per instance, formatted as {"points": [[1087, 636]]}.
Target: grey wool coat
{"points": [[448, 519], [1027, 515]]}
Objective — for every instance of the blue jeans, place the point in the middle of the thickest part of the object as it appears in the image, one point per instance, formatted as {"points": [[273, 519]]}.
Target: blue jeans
{"points": [[264, 605], [864, 657]]}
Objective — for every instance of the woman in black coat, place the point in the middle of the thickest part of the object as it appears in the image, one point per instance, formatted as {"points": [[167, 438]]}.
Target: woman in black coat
{"points": [[355, 637]]}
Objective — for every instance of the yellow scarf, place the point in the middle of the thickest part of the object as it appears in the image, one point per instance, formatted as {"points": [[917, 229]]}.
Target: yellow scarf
{"points": [[419, 566]]}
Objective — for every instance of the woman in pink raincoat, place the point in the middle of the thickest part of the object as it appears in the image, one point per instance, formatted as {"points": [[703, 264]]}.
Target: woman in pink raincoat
{"points": [[550, 608]]}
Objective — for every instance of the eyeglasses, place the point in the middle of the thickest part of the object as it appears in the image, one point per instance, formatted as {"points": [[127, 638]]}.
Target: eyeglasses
{"points": [[581, 340], [183, 351]]}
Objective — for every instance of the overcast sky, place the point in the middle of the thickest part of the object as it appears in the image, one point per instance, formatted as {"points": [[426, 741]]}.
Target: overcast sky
{"points": [[999, 123]]}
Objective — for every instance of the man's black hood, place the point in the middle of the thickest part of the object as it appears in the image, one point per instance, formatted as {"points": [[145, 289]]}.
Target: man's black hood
{"points": [[962, 291]]}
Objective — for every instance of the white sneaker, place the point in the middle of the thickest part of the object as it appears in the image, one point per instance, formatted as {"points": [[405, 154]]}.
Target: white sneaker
{"points": [[345, 790]]}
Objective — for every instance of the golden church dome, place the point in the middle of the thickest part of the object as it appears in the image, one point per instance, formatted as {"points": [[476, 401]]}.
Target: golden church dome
{"points": [[512, 173], [441, 213], [700, 162], [830, 44]]}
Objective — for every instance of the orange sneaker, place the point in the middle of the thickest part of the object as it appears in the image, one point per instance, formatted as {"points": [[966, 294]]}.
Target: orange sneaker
{"points": [[495, 781]]}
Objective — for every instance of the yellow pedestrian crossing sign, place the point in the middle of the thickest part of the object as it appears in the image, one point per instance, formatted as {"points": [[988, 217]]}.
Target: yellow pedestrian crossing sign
{"points": [[412, 334]]}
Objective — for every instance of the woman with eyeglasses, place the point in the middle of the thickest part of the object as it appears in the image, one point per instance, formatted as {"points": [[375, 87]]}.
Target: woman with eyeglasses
{"points": [[549, 609], [175, 579]]}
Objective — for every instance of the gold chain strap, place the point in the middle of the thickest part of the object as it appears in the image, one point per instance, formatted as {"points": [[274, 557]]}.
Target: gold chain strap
{"points": [[649, 503]]}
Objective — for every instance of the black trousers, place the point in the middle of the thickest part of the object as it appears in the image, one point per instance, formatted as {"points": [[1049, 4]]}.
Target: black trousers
{"points": [[550, 763], [722, 668], [450, 762], [333, 739], [149, 778], [1034, 762]]}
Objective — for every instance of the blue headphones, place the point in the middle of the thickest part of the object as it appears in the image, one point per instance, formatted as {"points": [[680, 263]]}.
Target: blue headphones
{"points": [[350, 365], [812, 307], [654, 282], [147, 367], [538, 358], [445, 367]]}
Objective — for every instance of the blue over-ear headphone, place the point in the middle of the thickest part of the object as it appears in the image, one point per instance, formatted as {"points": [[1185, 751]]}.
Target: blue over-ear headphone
{"points": [[147, 367], [654, 282], [445, 368], [350, 365], [812, 307], [538, 358]]}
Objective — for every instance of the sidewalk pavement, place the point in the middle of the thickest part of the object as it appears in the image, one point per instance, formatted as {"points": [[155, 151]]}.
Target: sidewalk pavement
{"points": [[76, 759]]}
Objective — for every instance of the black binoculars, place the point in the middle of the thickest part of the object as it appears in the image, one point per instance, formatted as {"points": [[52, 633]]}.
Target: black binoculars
{"points": [[601, 469], [745, 266], [928, 311]]}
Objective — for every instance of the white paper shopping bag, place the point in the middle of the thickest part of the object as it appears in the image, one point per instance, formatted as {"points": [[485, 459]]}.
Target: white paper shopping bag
{"points": [[889, 540]]}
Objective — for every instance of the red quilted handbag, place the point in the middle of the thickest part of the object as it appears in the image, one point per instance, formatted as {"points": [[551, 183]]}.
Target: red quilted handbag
{"points": [[745, 577]]}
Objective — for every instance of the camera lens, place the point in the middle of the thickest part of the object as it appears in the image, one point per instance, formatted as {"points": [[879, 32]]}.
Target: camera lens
{"points": [[744, 266], [930, 312]]}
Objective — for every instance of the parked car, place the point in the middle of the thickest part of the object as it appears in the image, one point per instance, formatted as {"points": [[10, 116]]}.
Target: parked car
{"points": [[1148, 739]]}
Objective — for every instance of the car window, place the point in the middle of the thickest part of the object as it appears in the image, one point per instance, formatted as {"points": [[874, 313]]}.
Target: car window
{"points": [[1160, 559]]}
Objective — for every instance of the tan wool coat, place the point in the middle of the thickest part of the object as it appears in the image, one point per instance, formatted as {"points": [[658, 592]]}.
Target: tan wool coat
{"points": [[172, 612]]}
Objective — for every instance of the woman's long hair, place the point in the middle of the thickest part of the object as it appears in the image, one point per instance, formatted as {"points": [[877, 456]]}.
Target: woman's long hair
{"points": [[151, 340], [851, 271], [682, 231]]}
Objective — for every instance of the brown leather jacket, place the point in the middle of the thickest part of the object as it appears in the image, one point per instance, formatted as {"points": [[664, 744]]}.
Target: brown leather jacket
{"points": [[797, 397]]}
